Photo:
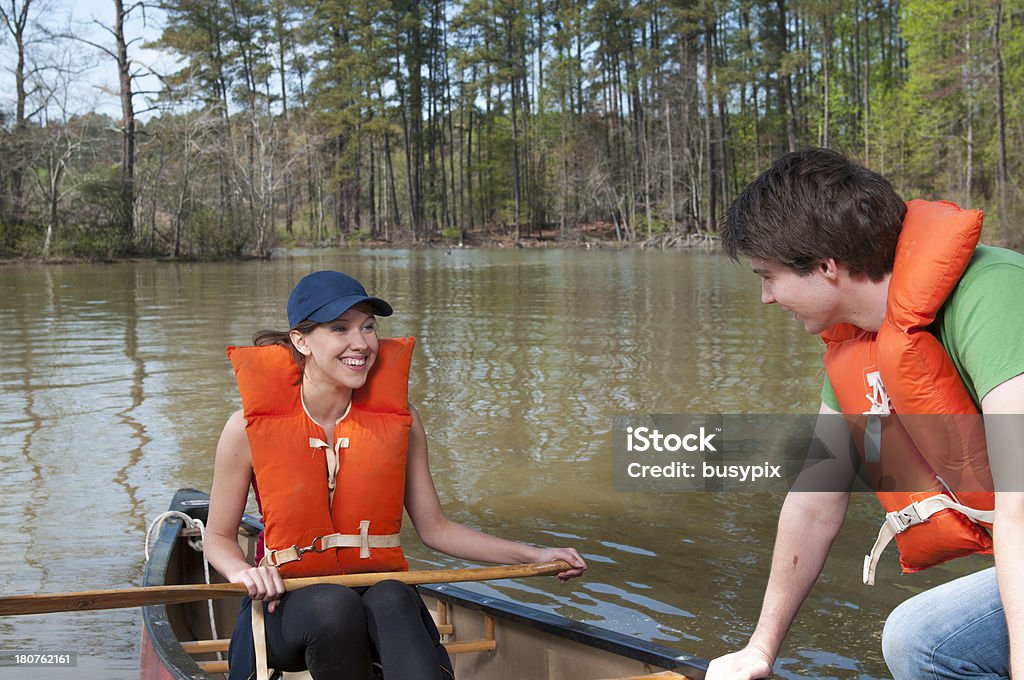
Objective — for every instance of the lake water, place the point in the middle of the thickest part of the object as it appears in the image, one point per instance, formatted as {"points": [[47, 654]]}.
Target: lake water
{"points": [[116, 386]]}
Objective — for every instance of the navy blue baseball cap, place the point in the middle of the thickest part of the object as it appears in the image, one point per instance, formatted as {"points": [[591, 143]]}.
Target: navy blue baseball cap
{"points": [[325, 295]]}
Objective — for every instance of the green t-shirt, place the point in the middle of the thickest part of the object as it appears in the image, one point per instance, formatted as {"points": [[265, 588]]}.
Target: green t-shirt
{"points": [[981, 325]]}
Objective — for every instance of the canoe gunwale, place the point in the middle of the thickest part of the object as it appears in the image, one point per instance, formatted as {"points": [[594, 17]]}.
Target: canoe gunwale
{"points": [[576, 631]]}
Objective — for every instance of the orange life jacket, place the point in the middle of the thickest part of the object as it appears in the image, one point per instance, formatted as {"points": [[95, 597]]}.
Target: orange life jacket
{"points": [[928, 465], [328, 510]]}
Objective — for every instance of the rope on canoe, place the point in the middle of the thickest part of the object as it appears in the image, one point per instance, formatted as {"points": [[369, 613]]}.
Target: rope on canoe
{"points": [[196, 543]]}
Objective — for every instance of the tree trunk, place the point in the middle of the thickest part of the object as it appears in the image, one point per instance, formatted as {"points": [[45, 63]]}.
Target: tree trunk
{"points": [[127, 129], [467, 161], [1001, 172], [826, 64], [53, 214], [15, 18], [968, 87], [709, 151], [671, 167], [516, 195], [866, 103], [289, 202], [785, 81]]}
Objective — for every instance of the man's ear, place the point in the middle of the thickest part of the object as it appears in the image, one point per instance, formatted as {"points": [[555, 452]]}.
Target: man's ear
{"points": [[829, 268]]}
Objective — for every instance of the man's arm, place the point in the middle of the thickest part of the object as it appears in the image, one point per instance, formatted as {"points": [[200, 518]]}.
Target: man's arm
{"points": [[811, 516], [1003, 407]]}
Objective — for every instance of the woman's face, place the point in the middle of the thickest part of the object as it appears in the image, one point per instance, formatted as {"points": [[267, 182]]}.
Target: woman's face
{"points": [[343, 350]]}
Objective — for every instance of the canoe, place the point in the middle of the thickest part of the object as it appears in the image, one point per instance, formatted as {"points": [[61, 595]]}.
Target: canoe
{"points": [[488, 638]]}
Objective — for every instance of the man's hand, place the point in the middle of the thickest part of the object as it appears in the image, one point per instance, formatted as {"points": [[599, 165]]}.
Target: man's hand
{"points": [[747, 664]]}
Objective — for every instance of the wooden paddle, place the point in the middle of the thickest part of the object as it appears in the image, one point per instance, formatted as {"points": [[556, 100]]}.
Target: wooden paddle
{"points": [[15, 605]]}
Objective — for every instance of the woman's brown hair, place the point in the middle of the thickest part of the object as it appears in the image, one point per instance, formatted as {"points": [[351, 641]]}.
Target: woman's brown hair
{"points": [[270, 337]]}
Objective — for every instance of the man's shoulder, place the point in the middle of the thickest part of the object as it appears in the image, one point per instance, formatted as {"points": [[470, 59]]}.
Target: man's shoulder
{"points": [[991, 269], [987, 295], [982, 323], [990, 257]]}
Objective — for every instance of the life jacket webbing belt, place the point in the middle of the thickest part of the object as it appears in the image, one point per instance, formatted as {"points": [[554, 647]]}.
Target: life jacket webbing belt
{"points": [[363, 540], [259, 639], [918, 512]]}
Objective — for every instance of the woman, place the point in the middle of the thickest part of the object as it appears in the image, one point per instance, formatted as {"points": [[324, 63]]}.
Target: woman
{"points": [[333, 451]]}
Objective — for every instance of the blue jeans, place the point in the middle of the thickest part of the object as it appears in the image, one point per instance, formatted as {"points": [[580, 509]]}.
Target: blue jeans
{"points": [[951, 632]]}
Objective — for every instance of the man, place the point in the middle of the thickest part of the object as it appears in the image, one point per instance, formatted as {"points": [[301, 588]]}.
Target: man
{"points": [[822, 233]]}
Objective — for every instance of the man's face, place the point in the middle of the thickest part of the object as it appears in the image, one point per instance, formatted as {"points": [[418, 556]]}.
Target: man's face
{"points": [[812, 298]]}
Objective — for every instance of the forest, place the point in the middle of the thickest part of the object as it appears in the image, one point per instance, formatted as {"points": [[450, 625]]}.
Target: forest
{"points": [[407, 122]]}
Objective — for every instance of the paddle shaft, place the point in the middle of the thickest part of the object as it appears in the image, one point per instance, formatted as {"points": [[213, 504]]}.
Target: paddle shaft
{"points": [[15, 605]]}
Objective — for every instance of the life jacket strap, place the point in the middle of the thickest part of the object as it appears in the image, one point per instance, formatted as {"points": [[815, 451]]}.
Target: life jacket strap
{"points": [[333, 457], [918, 512], [259, 640], [363, 540]]}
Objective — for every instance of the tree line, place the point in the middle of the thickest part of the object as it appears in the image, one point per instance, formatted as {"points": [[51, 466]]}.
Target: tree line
{"points": [[411, 121]]}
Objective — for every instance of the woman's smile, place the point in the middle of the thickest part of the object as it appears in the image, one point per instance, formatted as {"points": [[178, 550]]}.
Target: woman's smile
{"points": [[355, 363]]}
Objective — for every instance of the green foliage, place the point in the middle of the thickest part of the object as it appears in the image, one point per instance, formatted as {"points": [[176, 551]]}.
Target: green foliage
{"points": [[358, 237], [658, 226], [96, 230], [308, 120]]}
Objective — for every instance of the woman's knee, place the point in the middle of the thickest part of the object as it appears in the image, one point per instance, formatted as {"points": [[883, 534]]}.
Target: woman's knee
{"points": [[329, 610], [391, 596]]}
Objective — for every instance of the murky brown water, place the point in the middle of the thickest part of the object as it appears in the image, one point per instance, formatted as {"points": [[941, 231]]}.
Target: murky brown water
{"points": [[115, 387]]}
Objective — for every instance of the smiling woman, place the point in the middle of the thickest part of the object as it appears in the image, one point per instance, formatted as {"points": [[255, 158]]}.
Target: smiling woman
{"points": [[333, 326], [330, 386]]}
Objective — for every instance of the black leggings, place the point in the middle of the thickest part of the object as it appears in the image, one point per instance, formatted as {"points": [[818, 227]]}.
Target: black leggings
{"points": [[340, 633]]}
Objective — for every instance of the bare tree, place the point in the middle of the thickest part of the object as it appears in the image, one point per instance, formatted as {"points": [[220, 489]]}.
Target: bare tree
{"points": [[56, 152], [124, 79], [1001, 175], [19, 19], [55, 145], [126, 95]]}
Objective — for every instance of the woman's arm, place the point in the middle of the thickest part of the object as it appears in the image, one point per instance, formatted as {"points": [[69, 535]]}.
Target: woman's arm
{"points": [[232, 475], [438, 532]]}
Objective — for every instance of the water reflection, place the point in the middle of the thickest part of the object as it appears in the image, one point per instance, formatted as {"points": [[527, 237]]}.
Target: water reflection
{"points": [[115, 387]]}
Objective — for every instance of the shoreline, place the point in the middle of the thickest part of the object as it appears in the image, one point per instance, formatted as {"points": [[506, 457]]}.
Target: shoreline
{"points": [[598, 236]]}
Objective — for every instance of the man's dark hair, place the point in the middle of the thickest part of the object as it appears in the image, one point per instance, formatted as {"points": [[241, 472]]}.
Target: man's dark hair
{"points": [[815, 204]]}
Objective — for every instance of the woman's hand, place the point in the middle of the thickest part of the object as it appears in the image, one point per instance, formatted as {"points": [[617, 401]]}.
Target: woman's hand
{"points": [[263, 583], [570, 555]]}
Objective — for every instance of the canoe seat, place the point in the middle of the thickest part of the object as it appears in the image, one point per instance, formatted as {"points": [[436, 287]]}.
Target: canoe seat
{"points": [[205, 646], [212, 646], [444, 628], [213, 666]]}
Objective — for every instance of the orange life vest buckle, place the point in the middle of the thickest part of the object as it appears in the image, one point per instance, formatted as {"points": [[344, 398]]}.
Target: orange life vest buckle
{"points": [[271, 556], [901, 520], [311, 547]]}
